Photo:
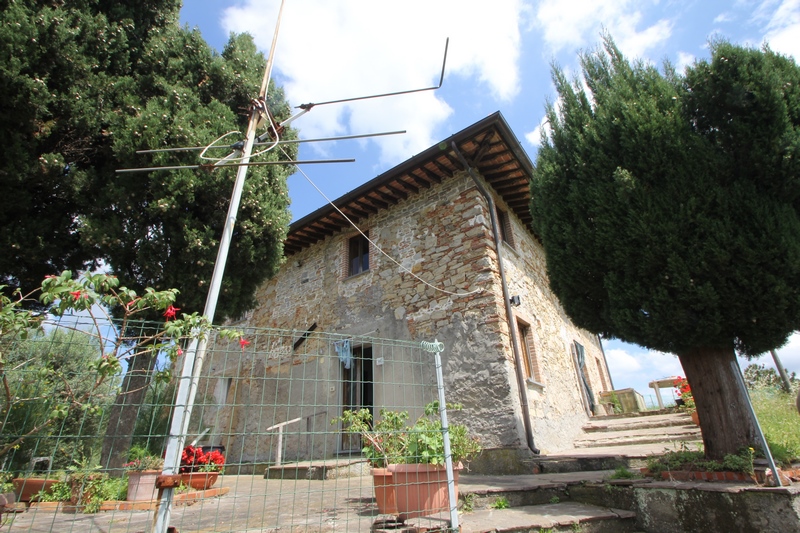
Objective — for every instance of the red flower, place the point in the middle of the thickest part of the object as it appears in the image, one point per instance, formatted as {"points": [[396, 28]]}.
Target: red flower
{"points": [[243, 342], [170, 312], [76, 294], [194, 460], [215, 457], [179, 352]]}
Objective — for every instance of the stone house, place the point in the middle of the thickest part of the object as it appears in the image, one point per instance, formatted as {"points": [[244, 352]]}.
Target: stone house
{"points": [[465, 268]]}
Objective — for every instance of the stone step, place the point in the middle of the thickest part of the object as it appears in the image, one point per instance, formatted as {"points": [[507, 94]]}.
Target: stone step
{"points": [[640, 436], [552, 517], [635, 423], [592, 463]]}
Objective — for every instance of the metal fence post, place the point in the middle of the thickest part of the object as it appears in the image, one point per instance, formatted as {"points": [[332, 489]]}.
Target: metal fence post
{"points": [[437, 347]]}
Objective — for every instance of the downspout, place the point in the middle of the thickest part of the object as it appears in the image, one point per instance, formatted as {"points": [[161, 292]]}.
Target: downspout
{"points": [[523, 388]]}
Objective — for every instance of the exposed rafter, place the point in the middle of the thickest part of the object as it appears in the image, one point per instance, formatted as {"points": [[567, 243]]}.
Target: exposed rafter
{"points": [[489, 145]]}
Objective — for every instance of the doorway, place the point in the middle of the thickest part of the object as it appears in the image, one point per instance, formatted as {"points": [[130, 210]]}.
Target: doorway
{"points": [[357, 392]]}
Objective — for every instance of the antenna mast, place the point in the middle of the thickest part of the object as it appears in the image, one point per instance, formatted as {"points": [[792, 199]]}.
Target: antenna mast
{"points": [[193, 361]]}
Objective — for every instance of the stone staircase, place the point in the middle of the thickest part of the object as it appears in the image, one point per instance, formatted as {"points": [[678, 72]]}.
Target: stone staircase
{"points": [[624, 440], [610, 431], [572, 490]]}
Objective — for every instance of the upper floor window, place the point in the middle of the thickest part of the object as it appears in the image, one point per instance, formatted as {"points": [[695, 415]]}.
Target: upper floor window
{"points": [[529, 356], [504, 227], [358, 255]]}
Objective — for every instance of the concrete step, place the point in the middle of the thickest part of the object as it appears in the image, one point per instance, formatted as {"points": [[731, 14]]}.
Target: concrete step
{"points": [[555, 517], [319, 470]]}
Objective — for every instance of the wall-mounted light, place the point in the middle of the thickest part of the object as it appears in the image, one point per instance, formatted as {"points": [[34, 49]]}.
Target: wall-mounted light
{"points": [[514, 300]]}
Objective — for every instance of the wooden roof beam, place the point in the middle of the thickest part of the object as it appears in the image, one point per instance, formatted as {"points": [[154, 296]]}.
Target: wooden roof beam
{"points": [[430, 175], [398, 192], [380, 204], [421, 181], [388, 197]]}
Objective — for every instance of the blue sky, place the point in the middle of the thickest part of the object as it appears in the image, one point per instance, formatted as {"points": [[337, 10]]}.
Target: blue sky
{"points": [[499, 58]]}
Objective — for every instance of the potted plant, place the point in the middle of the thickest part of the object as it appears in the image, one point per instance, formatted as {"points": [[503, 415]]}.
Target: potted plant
{"points": [[143, 469], [420, 479], [199, 469], [27, 487], [384, 443], [86, 488], [684, 393], [413, 456]]}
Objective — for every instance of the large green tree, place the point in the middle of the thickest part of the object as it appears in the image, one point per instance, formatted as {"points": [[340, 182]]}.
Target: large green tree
{"points": [[86, 83], [47, 371], [667, 205]]}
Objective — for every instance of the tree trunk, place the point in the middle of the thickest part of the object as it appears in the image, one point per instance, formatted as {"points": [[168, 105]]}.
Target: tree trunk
{"points": [[122, 418], [722, 403]]}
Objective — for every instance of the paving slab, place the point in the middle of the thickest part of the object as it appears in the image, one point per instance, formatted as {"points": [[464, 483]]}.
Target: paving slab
{"points": [[535, 517]]}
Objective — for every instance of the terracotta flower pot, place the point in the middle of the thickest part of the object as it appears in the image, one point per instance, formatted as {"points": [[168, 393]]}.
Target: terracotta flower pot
{"points": [[200, 480], [385, 495], [421, 490], [695, 418], [142, 485], [26, 488]]}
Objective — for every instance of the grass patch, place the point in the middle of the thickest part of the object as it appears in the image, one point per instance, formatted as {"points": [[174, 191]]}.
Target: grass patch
{"points": [[501, 503], [623, 473], [779, 421], [694, 460]]}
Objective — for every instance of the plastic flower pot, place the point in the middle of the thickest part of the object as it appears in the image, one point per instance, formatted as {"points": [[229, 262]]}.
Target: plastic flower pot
{"points": [[200, 480], [142, 485], [421, 489], [385, 496], [27, 488]]}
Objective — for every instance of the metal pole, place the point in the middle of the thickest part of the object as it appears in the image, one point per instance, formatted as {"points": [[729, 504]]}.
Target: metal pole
{"points": [[740, 378], [437, 347], [787, 385], [193, 361]]}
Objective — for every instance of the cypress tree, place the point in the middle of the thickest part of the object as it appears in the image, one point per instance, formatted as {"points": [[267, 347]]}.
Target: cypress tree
{"points": [[667, 205]]}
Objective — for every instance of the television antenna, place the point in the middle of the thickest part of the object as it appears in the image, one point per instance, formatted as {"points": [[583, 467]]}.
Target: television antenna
{"points": [[239, 156]]}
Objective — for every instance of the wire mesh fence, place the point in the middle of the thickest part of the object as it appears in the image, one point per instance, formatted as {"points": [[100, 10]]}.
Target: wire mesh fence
{"points": [[273, 441]]}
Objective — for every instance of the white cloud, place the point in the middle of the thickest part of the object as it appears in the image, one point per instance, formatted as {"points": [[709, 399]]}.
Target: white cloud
{"points": [[685, 59], [570, 24], [634, 367], [362, 47], [623, 361], [535, 137], [783, 27], [723, 17]]}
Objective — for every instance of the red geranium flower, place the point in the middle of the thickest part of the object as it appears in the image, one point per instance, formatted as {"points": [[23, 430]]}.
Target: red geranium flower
{"points": [[170, 312], [194, 460]]}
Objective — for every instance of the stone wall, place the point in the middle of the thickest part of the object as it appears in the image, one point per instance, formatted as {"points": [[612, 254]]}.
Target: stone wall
{"points": [[443, 237]]}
